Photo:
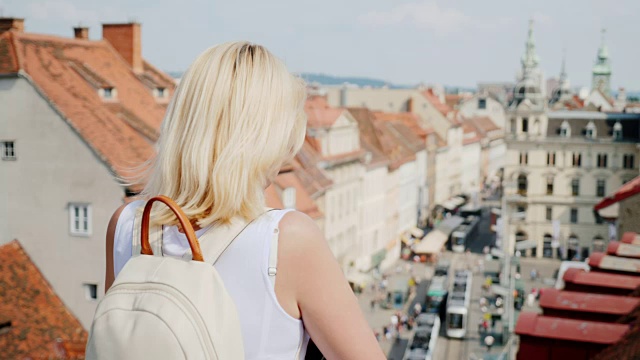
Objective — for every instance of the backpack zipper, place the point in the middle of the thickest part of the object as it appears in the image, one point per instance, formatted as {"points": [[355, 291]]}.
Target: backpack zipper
{"points": [[173, 294]]}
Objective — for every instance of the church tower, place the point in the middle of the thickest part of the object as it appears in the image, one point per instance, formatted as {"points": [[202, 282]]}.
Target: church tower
{"points": [[527, 111], [601, 74], [563, 91]]}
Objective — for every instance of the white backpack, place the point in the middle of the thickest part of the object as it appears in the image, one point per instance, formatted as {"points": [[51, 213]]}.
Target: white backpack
{"points": [[166, 307]]}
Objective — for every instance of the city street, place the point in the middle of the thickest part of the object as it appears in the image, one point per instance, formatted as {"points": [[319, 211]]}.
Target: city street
{"points": [[470, 347]]}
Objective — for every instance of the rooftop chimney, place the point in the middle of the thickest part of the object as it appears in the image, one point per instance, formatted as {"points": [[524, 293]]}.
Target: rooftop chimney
{"points": [[125, 38], [14, 24], [81, 32]]}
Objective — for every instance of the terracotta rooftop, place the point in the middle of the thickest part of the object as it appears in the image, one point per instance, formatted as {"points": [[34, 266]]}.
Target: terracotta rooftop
{"points": [[385, 136], [579, 276], [587, 302], [531, 324], [319, 113], [443, 108], [410, 120], [313, 179], [69, 73], [304, 202], [37, 325]]}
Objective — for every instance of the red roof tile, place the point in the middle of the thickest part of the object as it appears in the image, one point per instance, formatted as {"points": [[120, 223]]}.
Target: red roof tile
{"points": [[587, 302], [69, 71], [582, 277], [39, 320], [444, 109], [535, 325], [627, 190], [319, 113]]}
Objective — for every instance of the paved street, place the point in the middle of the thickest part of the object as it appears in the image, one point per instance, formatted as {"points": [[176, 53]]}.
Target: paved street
{"points": [[470, 347]]}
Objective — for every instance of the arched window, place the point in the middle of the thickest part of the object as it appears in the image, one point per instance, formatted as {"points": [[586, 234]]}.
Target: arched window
{"points": [[598, 244], [591, 132], [522, 184], [565, 129], [547, 247], [617, 131], [573, 247]]}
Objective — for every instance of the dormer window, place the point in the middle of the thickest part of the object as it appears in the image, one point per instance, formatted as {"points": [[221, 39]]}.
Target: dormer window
{"points": [[161, 92], [565, 129], [482, 103], [108, 93], [590, 132], [617, 131]]}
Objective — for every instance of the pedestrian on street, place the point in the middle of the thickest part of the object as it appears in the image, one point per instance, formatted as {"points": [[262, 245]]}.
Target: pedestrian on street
{"points": [[373, 305], [417, 309]]}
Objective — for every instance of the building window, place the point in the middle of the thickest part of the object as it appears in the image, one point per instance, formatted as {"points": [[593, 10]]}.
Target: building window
{"points": [[600, 188], [482, 103], [8, 150], [91, 291], [598, 219], [598, 244], [549, 186], [161, 92], [525, 125], [549, 214], [565, 130], [590, 131], [512, 126], [524, 158], [575, 187], [551, 158], [628, 161], [574, 215], [617, 131], [107, 93], [602, 160], [80, 219], [289, 198], [577, 159], [522, 185]]}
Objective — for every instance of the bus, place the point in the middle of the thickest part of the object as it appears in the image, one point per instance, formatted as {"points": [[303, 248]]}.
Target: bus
{"points": [[464, 233], [458, 305], [436, 294]]}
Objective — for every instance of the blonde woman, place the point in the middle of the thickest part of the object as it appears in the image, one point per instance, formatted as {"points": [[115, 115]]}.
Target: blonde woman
{"points": [[235, 119]]}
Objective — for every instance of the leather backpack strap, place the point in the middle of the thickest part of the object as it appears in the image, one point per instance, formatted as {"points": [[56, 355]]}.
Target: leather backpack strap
{"points": [[155, 235]]}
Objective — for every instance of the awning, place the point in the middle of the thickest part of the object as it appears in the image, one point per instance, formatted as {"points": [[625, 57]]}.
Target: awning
{"points": [[453, 203], [526, 244], [417, 233], [359, 278], [629, 189], [432, 243], [610, 212]]}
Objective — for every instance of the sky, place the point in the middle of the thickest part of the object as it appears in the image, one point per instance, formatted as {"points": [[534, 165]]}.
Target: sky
{"points": [[453, 42]]}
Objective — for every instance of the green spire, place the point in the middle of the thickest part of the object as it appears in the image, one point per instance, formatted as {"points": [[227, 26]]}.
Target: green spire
{"points": [[530, 58], [602, 65]]}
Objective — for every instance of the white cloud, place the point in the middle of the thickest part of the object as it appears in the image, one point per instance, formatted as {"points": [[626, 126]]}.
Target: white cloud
{"points": [[424, 15], [62, 9]]}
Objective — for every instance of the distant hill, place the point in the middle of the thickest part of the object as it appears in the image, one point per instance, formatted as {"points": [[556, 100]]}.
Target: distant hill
{"points": [[323, 79]]}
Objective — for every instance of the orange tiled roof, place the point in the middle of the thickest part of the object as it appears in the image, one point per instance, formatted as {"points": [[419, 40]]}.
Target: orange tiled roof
{"points": [[435, 101], [319, 113], [385, 136], [304, 202], [69, 71], [311, 177], [410, 120], [41, 326]]}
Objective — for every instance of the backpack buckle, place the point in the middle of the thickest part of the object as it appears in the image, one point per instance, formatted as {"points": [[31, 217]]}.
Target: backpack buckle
{"points": [[272, 271]]}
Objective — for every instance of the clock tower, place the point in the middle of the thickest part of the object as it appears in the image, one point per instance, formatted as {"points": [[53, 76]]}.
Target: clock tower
{"points": [[601, 74]]}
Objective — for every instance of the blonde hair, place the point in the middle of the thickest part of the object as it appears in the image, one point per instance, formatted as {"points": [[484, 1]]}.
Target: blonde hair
{"points": [[236, 117]]}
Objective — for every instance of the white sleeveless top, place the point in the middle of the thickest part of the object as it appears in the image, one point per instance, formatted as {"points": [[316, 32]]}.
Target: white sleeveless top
{"points": [[268, 331]]}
